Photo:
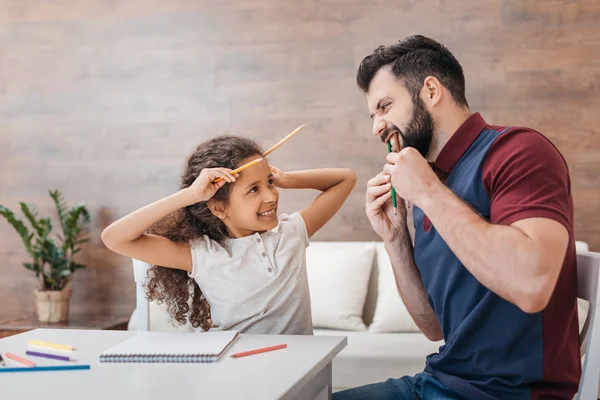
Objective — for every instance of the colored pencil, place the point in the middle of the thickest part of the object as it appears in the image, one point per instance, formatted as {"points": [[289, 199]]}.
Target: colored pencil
{"points": [[389, 144], [51, 345], [46, 355], [48, 368], [240, 169], [282, 141], [20, 359], [266, 153], [258, 351]]}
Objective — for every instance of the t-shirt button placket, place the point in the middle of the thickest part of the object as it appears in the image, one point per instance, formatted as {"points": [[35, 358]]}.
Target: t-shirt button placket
{"points": [[264, 254]]}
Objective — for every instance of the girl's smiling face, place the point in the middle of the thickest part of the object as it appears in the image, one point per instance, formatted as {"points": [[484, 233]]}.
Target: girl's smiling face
{"points": [[253, 200]]}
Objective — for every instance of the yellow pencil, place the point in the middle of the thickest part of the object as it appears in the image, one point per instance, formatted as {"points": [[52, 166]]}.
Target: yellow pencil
{"points": [[266, 153], [240, 169], [51, 345], [282, 141]]}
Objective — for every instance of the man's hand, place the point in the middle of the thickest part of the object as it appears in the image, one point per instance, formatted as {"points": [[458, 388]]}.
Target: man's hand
{"points": [[393, 230], [412, 177], [379, 208]]}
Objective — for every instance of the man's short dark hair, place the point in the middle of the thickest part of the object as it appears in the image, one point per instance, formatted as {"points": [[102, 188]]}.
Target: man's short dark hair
{"points": [[412, 60]]}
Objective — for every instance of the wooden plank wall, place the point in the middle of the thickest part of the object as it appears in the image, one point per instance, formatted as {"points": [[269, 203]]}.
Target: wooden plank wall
{"points": [[104, 99]]}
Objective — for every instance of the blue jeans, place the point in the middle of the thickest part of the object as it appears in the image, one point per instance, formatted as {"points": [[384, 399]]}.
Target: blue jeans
{"points": [[422, 386]]}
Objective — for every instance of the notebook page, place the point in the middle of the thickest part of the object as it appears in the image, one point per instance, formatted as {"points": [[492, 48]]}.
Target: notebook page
{"points": [[171, 343]]}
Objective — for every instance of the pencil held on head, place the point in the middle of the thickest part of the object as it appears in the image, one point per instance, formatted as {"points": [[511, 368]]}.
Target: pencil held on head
{"points": [[282, 141], [394, 204], [266, 153], [240, 169]]}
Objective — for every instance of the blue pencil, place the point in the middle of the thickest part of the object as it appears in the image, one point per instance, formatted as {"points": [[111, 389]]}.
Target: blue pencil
{"points": [[49, 368]]}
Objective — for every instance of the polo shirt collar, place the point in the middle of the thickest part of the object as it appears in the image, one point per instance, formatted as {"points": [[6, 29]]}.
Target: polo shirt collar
{"points": [[460, 142]]}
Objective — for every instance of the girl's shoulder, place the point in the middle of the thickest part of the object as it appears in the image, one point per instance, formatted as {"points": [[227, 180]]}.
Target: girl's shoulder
{"points": [[293, 225], [203, 250], [202, 243]]}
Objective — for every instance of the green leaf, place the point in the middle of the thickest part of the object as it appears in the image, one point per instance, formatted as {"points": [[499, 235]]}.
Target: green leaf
{"points": [[19, 227], [46, 225], [64, 273], [76, 220], [30, 267], [53, 255], [60, 205], [76, 266], [32, 215]]}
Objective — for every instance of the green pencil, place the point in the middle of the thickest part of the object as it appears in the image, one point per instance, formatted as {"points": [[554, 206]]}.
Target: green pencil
{"points": [[389, 143]]}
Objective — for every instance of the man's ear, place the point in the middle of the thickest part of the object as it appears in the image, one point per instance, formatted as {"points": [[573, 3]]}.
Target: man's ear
{"points": [[432, 91], [217, 207]]}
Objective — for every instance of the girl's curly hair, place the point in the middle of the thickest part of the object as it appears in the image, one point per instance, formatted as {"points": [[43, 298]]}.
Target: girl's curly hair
{"points": [[180, 293]]}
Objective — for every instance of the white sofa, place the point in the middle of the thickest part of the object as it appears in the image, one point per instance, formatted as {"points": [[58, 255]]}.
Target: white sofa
{"points": [[353, 294]]}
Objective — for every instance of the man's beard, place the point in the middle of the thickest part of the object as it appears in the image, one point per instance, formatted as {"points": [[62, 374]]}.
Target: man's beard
{"points": [[419, 131]]}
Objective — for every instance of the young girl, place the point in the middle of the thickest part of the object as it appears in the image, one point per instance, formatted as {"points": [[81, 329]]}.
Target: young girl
{"points": [[226, 260]]}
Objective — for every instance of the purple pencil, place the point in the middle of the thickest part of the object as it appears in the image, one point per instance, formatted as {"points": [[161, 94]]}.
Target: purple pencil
{"points": [[46, 355]]}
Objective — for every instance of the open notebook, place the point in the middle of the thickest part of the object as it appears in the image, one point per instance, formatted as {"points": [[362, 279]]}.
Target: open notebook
{"points": [[166, 347]]}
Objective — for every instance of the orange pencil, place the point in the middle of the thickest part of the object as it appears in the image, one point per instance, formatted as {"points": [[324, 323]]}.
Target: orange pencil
{"points": [[266, 153], [258, 351], [240, 169], [282, 141], [20, 359]]}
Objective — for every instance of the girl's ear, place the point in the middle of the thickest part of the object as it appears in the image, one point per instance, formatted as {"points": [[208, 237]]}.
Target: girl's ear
{"points": [[217, 207]]}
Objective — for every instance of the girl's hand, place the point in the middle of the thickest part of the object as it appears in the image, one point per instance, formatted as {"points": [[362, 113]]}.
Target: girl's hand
{"points": [[204, 189], [279, 177]]}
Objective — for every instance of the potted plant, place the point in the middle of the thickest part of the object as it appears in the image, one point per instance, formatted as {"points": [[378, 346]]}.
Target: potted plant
{"points": [[52, 258]]}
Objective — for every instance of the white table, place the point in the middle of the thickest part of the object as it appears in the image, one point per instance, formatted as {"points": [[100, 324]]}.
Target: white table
{"points": [[302, 371]]}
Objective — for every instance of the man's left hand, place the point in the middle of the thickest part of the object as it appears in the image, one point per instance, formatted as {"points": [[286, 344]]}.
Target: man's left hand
{"points": [[412, 177]]}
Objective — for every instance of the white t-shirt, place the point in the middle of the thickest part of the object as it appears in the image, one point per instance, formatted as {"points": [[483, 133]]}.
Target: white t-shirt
{"points": [[258, 283]]}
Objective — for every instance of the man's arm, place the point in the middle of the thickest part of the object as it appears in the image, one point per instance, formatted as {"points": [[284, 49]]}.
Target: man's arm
{"points": [[411, 289], [529, 190], [392, 228], [520, 262]]}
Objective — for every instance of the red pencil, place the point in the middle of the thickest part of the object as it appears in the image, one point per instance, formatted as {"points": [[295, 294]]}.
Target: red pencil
{"points": [[20, 359], [257, 351]]}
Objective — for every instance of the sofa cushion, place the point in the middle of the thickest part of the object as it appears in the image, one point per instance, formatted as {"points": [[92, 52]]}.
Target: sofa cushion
{"points": [[338, 278], [391, 314]]}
